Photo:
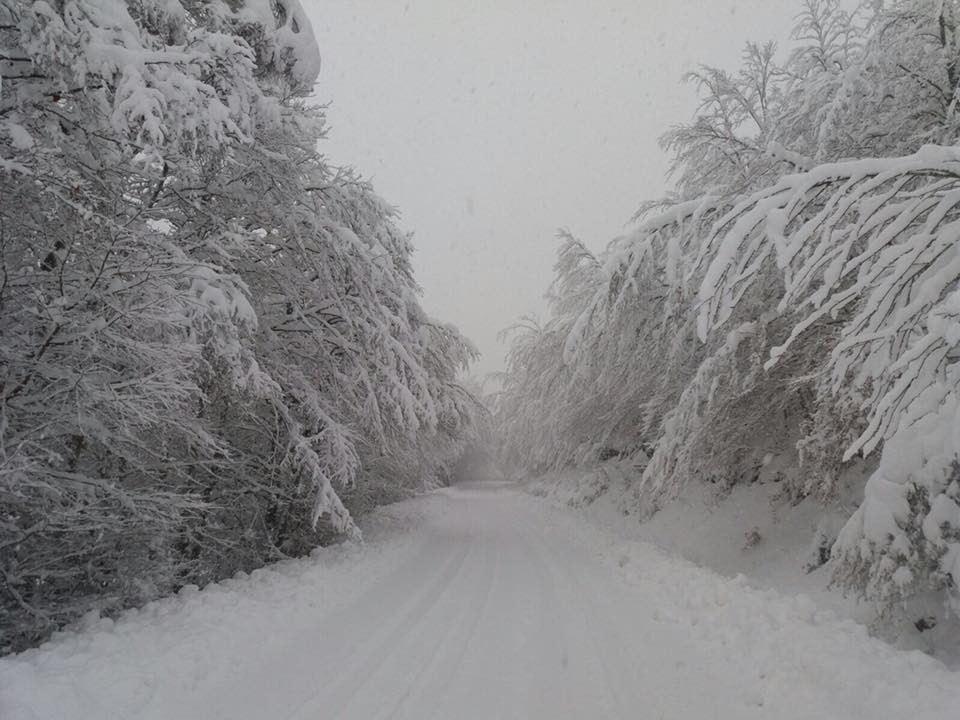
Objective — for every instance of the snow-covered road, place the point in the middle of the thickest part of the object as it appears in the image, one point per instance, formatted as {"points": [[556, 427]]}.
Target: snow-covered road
{"points": [[477, 602]]}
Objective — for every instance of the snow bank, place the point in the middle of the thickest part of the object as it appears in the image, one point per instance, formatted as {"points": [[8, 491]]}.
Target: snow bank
{"points": [[753, 533], [175, 647], [791, 644], [788, 650]]}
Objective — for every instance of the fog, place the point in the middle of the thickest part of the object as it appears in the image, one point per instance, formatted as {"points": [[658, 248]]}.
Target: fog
{"points": [[492, 124]]}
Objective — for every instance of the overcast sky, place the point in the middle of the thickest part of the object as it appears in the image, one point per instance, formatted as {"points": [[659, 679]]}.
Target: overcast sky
{"points": [[492, 123]]}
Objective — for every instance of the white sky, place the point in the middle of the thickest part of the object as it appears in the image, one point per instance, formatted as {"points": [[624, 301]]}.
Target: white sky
{"points": [[493, 123]]}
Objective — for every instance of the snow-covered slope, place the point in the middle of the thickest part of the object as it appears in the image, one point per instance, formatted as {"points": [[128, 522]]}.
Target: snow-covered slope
{"points": [[753, 531], [477, 602]]}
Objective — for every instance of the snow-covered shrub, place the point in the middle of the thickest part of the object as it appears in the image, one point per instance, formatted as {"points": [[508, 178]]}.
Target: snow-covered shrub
{"points": [[905, 537]]}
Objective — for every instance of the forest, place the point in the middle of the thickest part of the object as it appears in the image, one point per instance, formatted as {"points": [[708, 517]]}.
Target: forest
{"points": [[795, 300], [213, 352]]}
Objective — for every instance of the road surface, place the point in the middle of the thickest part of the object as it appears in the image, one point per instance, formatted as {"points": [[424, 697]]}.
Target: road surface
{"points": [[494, 615], [478, 602]]}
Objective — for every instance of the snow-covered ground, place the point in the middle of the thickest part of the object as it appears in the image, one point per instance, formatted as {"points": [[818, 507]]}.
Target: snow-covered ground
{"points": [[753, 531], [477, 602]]}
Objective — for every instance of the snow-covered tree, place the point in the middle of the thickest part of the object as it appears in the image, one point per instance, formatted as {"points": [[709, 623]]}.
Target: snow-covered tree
{"points": [[796, 296], [871, 247], [211, 337]]}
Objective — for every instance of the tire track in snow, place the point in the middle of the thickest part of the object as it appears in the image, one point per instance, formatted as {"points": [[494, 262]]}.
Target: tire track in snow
{"points": [[466, 625], [583, 609], [376, 652]]}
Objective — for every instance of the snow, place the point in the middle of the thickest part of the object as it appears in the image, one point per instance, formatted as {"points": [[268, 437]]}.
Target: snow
{"points": [[779, 152], [477, 602], [711, 527], [19, 137], [160, 225], [291, 37]]}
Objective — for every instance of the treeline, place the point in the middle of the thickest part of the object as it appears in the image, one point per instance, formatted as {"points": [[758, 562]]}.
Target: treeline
{"points": [[212, 353], [797, 296]]}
